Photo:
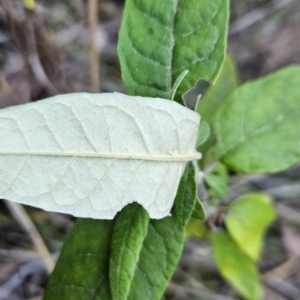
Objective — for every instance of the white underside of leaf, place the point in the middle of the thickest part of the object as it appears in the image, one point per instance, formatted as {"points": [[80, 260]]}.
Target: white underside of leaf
{"points": [[90, 155]]}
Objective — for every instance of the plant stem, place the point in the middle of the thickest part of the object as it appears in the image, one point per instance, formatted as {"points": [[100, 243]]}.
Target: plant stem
{"points": [[94, 55]]}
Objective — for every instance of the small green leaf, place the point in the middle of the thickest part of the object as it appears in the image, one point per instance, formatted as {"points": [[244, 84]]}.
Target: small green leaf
{"points": [[247, 220], [257, 126], [203, 133], [214, 201], [221, 170], [195, 229], [129, 233], [175, 36], [236, 266], [163, 244], [217, 184], [29, 4], [199, 210]]}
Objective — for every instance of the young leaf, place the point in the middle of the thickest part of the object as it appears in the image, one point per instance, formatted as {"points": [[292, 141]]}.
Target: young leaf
{"points": [[218, 185], [257, 126], [199, 211], [236, 266], [90, 155], [176, 36], [203, 133], [247, 220], [29, 4]]}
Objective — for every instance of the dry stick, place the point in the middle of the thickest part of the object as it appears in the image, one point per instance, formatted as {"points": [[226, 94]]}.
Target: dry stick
{"points": [[94, 61], [33, 266], [18, 255], [21, 216], [257, 15], [275, 278], [183, 292], [285, 270], [271, 294], [289, 215]]}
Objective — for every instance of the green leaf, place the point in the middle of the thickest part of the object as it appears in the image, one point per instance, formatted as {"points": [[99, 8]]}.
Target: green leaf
{"points": [[217, 184], [176, 36], [216, 94], [82, 269], [214, 202], [203, 133], [257, 126], [195, 229], [163, 244], [236, 266], [29, 4], [221, 170], [129, 233], [247, 220], [199, 211], [213, 98]]}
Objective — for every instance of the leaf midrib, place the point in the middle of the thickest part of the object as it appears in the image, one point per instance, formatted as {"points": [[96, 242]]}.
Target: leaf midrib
{"points": [[112, 155]]}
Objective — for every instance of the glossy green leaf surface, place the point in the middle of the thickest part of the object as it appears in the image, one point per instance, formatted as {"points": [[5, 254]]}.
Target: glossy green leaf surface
{"points": [[257, 126], [176, 36], [236, 266], [247, 220], [195, 229]]}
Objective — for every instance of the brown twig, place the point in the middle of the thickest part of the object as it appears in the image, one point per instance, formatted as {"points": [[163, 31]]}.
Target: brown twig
{"points": [[257, 15], [30, 267], [94, 54], [21, 216], [35, 62], [182, 292], [17, 255], [275, 278], [22, 28], [288, 214]]}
